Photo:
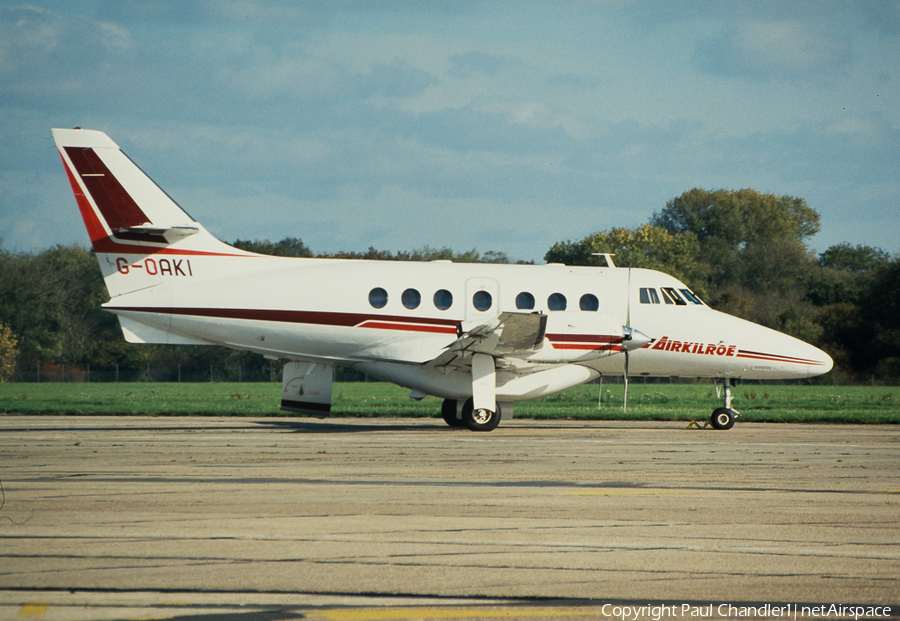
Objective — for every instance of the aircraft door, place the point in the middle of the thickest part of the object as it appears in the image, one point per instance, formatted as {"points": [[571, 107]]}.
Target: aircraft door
{"points": [[482, 299]]}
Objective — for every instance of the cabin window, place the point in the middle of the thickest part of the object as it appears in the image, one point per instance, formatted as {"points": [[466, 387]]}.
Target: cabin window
{"points": [[691, 297], [443, 299], [649, 296], [671, 296], [556, 302], [482, 300], [411, 299], [525, 301], [589, 302], [378, 297]]}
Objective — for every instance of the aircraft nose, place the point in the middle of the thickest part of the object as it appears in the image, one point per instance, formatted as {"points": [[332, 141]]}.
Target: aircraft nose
{"points": [[824, 360], [767, 354], [810, 360]]}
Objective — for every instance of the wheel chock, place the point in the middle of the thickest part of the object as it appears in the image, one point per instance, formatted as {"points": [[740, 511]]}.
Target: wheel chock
{"points": [[695, 425]]}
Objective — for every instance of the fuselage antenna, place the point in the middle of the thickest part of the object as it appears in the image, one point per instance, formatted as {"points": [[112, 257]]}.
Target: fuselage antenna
{"points": [[606, 255]]}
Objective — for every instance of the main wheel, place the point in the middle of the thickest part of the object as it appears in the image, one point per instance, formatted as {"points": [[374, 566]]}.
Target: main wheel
{"points": [[448, 413], [722, 418], [481, 419]]}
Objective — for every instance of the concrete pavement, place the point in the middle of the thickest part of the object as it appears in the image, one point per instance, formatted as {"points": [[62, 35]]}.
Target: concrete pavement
{"points": [[282, 518]]}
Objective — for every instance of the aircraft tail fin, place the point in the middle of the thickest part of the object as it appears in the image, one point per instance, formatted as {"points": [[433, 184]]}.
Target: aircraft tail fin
{"points": [[128, 217]]}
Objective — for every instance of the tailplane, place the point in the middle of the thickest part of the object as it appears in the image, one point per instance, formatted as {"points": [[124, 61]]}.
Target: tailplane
{"points": [[128, 217]]}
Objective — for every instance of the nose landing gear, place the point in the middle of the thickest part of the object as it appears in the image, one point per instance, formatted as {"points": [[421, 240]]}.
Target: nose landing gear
{"points": [[723, 418]]}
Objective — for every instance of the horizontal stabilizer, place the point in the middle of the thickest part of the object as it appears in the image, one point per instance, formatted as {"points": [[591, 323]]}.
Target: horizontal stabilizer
{"points": [[156, 234]]}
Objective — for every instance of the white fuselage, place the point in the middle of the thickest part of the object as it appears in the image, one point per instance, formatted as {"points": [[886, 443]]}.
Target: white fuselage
{"points": [[320, 309]]}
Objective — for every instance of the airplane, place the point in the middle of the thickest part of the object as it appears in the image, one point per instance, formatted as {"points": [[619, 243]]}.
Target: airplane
{"points": [[482, 337]]}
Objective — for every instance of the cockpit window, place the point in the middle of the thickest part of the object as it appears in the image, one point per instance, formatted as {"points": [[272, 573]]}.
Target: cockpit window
{"points": [[670, 294], [649, 296], [691, 297]]}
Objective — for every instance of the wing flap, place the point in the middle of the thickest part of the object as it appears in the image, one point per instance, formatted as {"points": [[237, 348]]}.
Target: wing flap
{"points": [[509, 335]]}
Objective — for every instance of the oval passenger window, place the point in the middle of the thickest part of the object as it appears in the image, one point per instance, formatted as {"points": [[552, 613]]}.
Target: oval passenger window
{"points": [[556, 302], [443, 299], [378, 297], [589, 302], [525, 301], [482, 300], [411, 299]]}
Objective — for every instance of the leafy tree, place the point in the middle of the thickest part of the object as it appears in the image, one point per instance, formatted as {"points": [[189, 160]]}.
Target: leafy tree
{"points": [[844, 273], [737, 229], [855, 288], [879, 346], [287, 247], [426, 253], [51, 301], [772, 265], [371, 255], [828, 286], [646, 246], [9, 351], [437, 254], [738, 217], [854, 258]]}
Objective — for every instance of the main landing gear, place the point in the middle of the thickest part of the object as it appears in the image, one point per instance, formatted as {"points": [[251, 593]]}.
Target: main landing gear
{"points": [[480, 419], [723, 418], [481, 412]]}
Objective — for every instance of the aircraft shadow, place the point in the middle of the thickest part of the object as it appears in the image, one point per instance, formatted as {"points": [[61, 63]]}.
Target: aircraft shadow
{"points": [[330, 426]]}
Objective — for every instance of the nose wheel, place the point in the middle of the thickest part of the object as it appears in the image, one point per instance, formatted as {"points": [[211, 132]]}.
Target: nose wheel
{"points": [[723, 418]]}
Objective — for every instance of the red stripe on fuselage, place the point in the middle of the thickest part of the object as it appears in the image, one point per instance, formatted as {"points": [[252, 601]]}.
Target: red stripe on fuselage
{"points": [[587, 347], [753, 355], [322, 318], [586, 338], [587, 342], [407, 327]]}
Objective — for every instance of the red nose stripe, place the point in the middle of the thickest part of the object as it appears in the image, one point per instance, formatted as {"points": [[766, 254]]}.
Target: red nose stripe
{"points": [[755, 355]]}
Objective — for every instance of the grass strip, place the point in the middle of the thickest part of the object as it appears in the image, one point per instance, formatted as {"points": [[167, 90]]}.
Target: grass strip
{"points": [[675, 402]]}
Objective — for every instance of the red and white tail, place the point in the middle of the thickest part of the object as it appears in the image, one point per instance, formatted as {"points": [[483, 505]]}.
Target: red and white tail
{"points": [[128, 217]]}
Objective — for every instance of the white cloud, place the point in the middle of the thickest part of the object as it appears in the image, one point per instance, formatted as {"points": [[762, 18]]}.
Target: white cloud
{"points": [[759, 48]]}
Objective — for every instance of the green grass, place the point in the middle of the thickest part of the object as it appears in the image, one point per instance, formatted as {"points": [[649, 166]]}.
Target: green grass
{"points": [[676, 402]]}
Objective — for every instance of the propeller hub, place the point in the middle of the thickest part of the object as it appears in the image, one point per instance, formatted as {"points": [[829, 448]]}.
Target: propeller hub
{"points": [[633, 339]]}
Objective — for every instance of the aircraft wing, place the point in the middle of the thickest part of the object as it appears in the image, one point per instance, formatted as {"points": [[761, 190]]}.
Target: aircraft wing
{"points": [[509, 335]]}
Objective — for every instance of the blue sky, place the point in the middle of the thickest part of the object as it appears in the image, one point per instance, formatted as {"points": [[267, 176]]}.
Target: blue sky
{"points": [[490, 125]]}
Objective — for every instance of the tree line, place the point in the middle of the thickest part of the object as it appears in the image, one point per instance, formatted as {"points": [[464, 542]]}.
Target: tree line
{"points": [[743, 252]]}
